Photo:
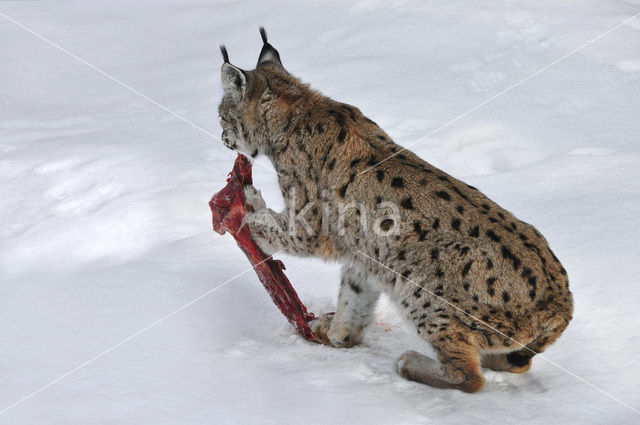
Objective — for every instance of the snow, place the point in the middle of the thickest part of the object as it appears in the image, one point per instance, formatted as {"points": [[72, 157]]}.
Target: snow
{"points": [[106, 231]]}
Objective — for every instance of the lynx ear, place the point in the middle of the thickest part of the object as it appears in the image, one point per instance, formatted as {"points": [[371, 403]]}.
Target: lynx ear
{"points": [[268, 52], [233, 79]]}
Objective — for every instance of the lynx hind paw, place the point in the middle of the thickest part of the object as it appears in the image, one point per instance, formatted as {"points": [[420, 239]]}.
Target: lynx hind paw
{"points": [[253, 199]]}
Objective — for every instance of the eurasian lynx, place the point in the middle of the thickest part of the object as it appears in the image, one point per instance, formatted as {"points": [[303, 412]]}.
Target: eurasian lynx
{"points": [[481, 286]]}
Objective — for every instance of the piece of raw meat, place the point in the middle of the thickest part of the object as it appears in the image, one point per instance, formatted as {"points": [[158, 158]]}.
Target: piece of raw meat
{"points": [[227, 207]]}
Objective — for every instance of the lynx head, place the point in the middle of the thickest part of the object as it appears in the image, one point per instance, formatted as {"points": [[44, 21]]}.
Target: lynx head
{"points": [[257, 104]]}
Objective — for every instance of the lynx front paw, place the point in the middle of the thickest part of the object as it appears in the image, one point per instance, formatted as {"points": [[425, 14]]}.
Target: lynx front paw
{"points": [[253, 199], [335, 334], [264, 230]]}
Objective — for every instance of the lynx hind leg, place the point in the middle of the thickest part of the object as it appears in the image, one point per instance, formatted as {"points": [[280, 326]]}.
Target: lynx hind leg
{"points": [[356, 304], [458, 366]]}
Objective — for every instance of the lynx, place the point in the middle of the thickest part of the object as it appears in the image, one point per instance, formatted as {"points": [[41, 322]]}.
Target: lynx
{"points": [[482, 287]]}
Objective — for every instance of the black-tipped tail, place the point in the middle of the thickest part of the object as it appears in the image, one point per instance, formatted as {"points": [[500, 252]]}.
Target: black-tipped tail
{"points": [[225, 55], [520, 359]]}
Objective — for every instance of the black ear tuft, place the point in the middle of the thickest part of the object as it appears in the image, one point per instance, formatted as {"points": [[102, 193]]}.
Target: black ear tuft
{"points": [[225, 55], [263, 34]]}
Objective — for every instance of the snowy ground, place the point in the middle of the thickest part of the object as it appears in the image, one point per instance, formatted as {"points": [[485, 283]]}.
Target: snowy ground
{"points": [[106, 229]]}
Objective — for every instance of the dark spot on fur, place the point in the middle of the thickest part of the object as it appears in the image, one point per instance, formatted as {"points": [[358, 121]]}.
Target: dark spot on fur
{"points": [[407, 203], [489, 264], [486, 207], [342, 135], [439, 273], [426, 304], [505, 296], [474, 232], [460, 194], [466, 286], [506, 253], [350, 111], [354, 162], [397, 182], [332, 164], [355, 288], [466, 268], [372, 161], [435, 253], [436, 223], [380, 175], [460, 209], [320, 128], [343, 189], [455, 224], [443, 195], [417, 227], [338, 116], [492, 235]]}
